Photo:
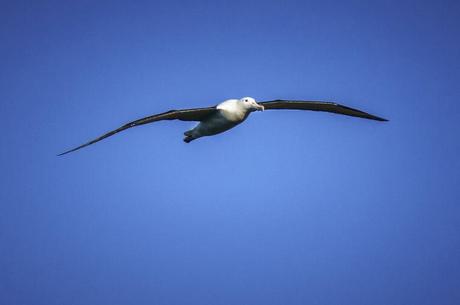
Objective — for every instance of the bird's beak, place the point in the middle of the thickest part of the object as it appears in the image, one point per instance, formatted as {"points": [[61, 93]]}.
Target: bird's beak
{"points": [[259, 107]]}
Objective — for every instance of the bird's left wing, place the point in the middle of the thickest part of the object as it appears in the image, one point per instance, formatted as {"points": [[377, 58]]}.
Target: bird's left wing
{"points": [[195, 114], [319, 106]]}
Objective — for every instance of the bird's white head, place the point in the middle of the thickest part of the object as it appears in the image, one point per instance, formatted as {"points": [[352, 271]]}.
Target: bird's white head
{"points": [[250, 104]]}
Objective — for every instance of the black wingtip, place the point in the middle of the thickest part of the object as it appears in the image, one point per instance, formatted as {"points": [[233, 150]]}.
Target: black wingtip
{"points": [[71, 150], [379, 119], [362, 114], [64, 153]]}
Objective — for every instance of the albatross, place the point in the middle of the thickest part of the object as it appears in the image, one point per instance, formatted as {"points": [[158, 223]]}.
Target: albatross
{"points": [[226, 115]]}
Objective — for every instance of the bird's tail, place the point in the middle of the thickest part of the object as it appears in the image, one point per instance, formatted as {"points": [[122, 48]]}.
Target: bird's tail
{"points": [[188, 136]]}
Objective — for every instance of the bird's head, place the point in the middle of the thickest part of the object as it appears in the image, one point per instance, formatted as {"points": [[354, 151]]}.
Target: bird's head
{"points": [[250, 104]]}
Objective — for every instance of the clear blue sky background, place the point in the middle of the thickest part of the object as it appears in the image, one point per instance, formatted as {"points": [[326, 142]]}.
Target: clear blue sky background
{"points": [[288, 208]]}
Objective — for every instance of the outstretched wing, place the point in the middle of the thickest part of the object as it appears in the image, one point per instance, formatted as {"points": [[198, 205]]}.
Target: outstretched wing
{"points": [[319, 106], [196, 114]]}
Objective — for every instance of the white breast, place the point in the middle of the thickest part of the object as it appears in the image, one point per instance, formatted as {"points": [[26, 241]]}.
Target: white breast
{"points": [[232, 110]]}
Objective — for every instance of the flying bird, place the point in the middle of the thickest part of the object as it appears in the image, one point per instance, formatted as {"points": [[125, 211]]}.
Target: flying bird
{"points": [[226, 115]]}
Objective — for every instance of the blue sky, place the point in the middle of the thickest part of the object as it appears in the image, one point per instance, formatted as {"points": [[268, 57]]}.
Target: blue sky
{"points": [[289, 208]]}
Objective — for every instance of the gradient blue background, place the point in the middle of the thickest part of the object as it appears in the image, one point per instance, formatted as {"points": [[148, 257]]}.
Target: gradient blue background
{"points": [[288, 208]]}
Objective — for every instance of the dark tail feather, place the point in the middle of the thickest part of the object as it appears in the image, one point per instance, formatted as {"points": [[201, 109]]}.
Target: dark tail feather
{"points": [[188, 136], [188, 139]]}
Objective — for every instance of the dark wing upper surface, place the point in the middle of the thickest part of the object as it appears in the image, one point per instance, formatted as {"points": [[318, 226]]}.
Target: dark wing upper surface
{"points": [[195, 114], [319, 106]]}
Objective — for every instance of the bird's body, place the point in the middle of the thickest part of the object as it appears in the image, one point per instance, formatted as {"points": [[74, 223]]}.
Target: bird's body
{"points": [[226, 115], [229, 114]]}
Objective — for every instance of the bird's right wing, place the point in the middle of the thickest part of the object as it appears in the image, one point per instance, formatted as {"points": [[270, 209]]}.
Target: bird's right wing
{"points": [[319, 106], [195, 114]]}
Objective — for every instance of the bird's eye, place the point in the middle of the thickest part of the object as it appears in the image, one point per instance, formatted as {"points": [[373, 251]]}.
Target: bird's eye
{"points": [[246, 101]]}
